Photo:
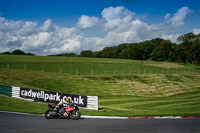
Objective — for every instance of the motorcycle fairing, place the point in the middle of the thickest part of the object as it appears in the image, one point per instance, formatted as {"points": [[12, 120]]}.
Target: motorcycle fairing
{"points": [[69, 109]]}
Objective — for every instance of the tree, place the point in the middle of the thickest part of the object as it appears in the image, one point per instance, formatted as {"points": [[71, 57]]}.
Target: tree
{"points": [[119, 49], [196, 51], [7, 52], [97, 54], [134, 51], [86, 53], [30, 54], [109, 52], [156, 49], [18, 52], [124, 54], [179, 53], [146, 49], [172, 56], [187, 39], [162, 50], [186, 43]]}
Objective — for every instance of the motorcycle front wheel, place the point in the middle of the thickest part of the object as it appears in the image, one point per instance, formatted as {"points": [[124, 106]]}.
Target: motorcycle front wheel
{"points": [[49, 114], [75, 115]]}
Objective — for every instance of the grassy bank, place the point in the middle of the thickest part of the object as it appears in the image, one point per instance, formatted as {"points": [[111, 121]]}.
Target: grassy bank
{"points": [[149, 94], [92, 66]]}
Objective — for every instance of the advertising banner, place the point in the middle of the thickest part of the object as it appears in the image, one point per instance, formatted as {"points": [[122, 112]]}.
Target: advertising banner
{"points": [[54, 97]]}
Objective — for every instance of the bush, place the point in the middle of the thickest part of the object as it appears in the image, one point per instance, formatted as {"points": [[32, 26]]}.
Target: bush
{"points": [[6, 53], [18, 52]]}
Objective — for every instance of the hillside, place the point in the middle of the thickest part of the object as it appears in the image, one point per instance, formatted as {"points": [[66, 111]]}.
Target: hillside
{"points": [[124, 87]]}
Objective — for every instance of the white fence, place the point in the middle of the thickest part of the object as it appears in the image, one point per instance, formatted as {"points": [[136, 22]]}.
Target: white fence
{"points": [[92, 102]]}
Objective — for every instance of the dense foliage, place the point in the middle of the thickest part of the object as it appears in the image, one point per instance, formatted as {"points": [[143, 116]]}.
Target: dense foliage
{"points": [[188, 50], [17, 52], [66, 55]]}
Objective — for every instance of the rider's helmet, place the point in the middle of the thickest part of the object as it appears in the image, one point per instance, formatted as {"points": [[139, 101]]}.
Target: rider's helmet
{"points": [[68, 100]]}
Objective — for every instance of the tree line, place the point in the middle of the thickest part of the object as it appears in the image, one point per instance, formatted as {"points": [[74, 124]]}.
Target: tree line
{"points": [[17, 52], [187, 51]]}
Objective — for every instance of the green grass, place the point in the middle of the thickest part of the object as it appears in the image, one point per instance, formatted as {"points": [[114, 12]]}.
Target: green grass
{"points": [[92, 66], [17, 105], [122, 94]]}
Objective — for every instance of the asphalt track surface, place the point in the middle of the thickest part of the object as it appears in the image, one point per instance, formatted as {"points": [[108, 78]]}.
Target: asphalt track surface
{"points": [[19, 123]]}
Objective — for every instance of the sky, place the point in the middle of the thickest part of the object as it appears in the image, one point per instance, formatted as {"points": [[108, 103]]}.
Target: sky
{"points": [[46, 27]]}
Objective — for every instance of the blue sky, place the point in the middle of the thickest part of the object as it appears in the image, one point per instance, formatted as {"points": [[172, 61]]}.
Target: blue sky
{"points": [[60, 26], [67, 12]]}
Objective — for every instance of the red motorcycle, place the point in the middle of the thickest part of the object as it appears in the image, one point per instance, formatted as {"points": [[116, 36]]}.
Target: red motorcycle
{"points": [[62, 112]]}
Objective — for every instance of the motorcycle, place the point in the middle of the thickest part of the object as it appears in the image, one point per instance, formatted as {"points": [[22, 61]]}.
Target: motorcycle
{"points": [[71, 112]]}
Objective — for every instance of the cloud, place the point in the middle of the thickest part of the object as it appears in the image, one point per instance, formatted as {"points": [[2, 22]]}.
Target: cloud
{"points": [[47, 26], [9, 26], [196, 31], [14, 43], [28, 28], [122, 25], [115, 16], [172, 37], [117, 25], [42, 40], [86, 22], [59, 40], [178, 18]]}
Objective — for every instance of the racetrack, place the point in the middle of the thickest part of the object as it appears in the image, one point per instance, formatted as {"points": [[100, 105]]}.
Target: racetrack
{"points": [[20, 123]]}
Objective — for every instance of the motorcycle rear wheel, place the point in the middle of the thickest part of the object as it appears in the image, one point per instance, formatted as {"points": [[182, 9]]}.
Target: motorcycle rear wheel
{"points": [[50, 114], [75, 115]]}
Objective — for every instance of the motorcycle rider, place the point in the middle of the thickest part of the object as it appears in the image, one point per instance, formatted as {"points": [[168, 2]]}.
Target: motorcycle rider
{"points": [[65, 103]]}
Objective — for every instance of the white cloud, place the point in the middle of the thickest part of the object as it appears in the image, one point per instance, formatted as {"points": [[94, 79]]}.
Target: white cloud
{"points": [[28, 28], [116, 16], [172, 37], [118, 25], [60, 40], [41, 40], [46, 25], [178, 18], [113, 13], [86, 22], [69, 45], [10, 26], [196, 31]]}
